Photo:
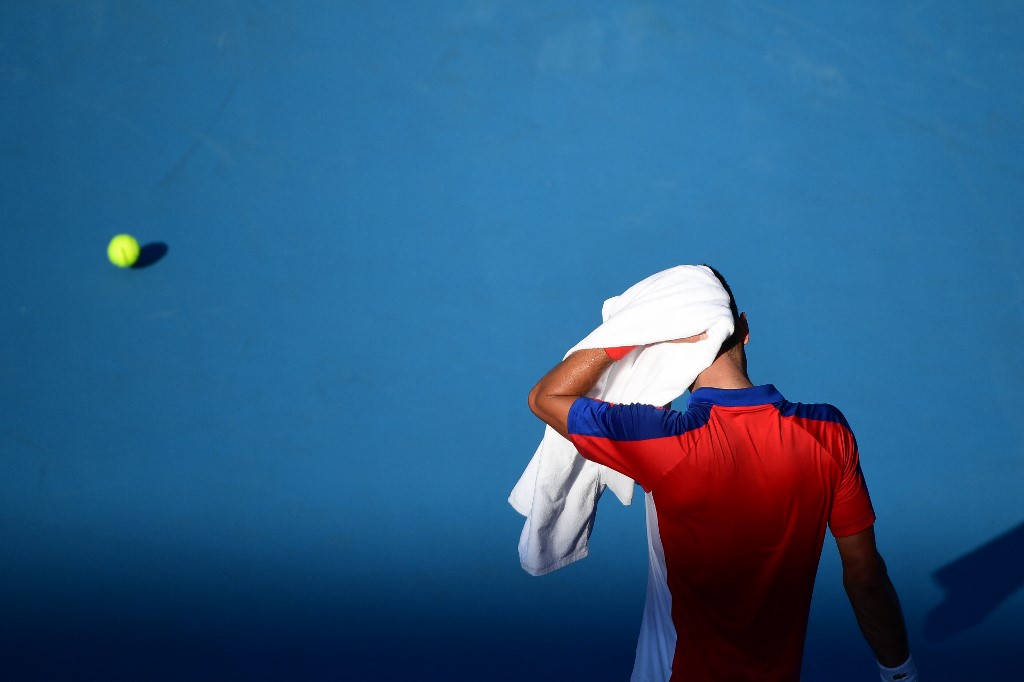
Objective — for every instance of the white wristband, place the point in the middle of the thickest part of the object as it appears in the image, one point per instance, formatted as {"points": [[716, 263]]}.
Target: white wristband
{"points": [[904, 673]]}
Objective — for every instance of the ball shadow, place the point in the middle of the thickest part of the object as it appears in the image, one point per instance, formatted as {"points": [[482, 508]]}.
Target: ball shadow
{"points": [[150, 254]]}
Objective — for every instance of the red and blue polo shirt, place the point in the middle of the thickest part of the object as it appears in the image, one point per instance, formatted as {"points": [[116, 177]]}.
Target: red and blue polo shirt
{"points": [[745, 484]]}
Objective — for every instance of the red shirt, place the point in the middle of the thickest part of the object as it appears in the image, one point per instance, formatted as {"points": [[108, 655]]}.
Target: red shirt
{"points": [[745, 484]]}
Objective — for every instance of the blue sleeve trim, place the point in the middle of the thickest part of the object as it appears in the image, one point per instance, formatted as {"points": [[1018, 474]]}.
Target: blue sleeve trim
{"points": [[594, 418], [821, 412]]}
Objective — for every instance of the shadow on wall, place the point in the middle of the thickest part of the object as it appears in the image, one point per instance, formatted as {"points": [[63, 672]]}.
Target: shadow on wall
{"points": [[976, 584]]}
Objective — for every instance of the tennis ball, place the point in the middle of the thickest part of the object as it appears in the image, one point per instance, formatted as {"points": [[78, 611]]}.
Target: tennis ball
{"points": [[123, 251]]}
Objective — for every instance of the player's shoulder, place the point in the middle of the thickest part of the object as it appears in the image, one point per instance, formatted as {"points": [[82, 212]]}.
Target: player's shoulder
{"points": [[823, 413], [824, 423]]}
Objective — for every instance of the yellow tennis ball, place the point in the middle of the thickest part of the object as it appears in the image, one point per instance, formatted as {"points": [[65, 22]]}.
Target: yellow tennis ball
{"points": [[123, 251]]}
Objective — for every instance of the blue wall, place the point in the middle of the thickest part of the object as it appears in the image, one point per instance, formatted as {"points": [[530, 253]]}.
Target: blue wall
{"points": [[283, 449]]}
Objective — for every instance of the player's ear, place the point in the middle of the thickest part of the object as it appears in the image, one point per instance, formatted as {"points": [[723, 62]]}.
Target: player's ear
{"points": [[744, 328]]}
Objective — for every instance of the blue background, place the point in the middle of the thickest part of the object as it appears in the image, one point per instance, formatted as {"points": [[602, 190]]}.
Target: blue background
{"points": [[283, 450]]}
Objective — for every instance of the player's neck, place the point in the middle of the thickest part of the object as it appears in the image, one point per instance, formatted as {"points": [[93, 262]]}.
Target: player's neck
{"points": [[726, 371]]}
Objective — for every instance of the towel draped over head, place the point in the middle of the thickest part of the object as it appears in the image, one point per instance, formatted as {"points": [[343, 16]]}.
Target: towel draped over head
{"points": [[559, 491]]}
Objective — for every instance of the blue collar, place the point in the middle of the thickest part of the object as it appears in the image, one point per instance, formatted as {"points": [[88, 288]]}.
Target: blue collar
{"points": [[737, 397]]}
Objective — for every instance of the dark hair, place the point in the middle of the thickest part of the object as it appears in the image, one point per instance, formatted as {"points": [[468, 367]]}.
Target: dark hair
{"points": [[733, 340], [728, 290]]}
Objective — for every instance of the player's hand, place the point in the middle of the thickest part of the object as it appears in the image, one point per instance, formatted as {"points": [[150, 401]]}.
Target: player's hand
{"points": [[691, 339], [622, 351]]}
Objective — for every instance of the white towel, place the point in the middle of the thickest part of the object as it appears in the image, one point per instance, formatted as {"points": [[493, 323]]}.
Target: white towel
{"points": [[559, 491]]}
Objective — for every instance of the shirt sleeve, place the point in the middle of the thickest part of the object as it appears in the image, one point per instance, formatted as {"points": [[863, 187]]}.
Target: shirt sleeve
{"points": [[620, 437], [852, 511]]}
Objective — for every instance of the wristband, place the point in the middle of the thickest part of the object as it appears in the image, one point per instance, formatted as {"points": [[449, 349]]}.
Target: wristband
{"points": [[619, 352], [904, 673]]}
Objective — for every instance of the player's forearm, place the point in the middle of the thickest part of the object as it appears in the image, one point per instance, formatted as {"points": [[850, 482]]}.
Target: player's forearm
{"points": [[878, 612], [570, 379]]}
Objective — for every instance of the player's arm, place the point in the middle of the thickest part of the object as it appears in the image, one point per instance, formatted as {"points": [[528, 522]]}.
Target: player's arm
{"points": [[573, 378], [874, 602], [570, 379]]}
